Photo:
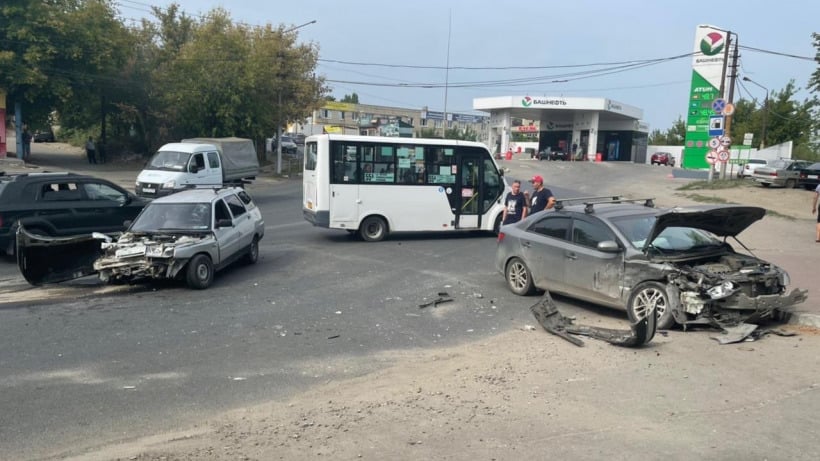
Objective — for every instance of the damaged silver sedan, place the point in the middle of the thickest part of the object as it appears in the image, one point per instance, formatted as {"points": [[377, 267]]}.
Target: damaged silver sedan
{"points": [[188, 235], [632, 256]]}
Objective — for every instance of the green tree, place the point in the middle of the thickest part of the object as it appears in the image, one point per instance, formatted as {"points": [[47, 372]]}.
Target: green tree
{"points": [[673, 136], [351, 98]]}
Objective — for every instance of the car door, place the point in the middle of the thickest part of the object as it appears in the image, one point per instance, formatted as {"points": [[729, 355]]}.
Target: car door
{"points": [[104, 206], [543, 246], [589, 273], [243, 222]]}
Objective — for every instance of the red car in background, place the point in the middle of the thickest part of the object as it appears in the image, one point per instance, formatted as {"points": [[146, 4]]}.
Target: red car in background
{"points": [[662, 158]]}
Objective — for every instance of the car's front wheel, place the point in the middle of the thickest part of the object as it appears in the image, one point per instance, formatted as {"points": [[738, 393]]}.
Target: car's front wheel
{"points": [[200, 272], [519, 278], [650, 297]]}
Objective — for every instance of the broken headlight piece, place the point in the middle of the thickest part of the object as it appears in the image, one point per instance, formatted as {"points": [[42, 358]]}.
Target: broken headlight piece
{"points": [[721, 291], [159, 251]]}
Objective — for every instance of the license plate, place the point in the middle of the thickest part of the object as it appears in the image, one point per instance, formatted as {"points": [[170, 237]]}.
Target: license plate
{"points": [[130, 251], [812, 176], [149, 190]]}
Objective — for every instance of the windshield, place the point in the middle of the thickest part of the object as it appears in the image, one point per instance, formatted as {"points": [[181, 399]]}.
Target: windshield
{"points": [[169, 161], [778, 164], [159, 217], [286, 140], [637, 228]]}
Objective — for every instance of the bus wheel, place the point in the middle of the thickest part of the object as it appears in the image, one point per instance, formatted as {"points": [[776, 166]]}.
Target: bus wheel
{"points": [[373, 229]]}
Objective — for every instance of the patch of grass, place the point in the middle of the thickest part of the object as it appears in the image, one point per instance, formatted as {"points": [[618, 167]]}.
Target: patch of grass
{"points": [[708, 199], [779, 215], [714, 185]]}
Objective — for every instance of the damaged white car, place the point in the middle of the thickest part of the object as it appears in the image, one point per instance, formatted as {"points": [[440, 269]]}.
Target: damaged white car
{"points": [[190, 235], [632, 256]]}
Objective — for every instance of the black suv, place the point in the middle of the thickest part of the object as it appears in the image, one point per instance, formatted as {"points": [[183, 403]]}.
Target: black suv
{"points": [[59, 204]]}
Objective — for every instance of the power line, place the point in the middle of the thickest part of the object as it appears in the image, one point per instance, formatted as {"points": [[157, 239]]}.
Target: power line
{"points": [[777, 53]]}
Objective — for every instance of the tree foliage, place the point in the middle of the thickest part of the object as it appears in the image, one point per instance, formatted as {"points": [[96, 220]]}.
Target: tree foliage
{"points": [[673, 136], [165, 79], [351, 98]]}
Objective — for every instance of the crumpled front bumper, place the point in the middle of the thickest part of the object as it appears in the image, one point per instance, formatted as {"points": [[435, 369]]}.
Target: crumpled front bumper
{"points": [[762, 303]]}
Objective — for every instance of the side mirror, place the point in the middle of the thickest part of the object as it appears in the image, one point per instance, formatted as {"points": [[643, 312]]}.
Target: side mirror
{"points": [[224, 223], [609, 246], [501, 172]]}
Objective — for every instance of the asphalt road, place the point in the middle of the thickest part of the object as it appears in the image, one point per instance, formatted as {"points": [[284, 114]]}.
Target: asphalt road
{"points": [[84, 365]]}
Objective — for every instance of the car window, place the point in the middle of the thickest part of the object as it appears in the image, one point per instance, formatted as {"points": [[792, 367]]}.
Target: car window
{"points": [[590, 234], [60, 191], [213, 159], [552, 226], [235, 205], [245, 197], [100, 191], [221, 210]]}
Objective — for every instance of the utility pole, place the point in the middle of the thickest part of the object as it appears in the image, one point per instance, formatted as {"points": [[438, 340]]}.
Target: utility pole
{"points": [[727, 125]]}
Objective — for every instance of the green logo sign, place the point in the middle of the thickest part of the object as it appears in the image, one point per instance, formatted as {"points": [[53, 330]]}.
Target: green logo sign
{"points": [[527, 101], [712, 44]]}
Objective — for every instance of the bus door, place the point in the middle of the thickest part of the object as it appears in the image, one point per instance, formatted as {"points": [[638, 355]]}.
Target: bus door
{"points": [[344, 187], [469, 188]]}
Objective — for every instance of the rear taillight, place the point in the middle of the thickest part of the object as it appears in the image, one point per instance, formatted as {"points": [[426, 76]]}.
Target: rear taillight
{"points": [[1, 220], [773, 173], [500, 237]]}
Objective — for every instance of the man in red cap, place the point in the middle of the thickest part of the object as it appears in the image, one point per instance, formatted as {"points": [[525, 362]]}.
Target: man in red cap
{"points": [[542, 197]]}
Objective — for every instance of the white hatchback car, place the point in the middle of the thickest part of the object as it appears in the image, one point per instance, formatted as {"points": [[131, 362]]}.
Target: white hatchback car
{"points": [[749, 167], [187, 235]]}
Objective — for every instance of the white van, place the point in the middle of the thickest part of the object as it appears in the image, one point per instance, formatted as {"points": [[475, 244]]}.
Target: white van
{"points": [[198, 162]]}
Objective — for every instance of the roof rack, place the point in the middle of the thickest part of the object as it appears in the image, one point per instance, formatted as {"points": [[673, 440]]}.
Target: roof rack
{"points": [[589, 202]]}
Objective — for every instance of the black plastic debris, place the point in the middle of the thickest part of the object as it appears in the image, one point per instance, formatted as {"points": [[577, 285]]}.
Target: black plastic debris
{"points": [[435, 302], [548, 315]]}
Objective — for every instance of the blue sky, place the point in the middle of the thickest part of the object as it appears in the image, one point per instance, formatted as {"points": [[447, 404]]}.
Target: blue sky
{"points": [[496, 34]]}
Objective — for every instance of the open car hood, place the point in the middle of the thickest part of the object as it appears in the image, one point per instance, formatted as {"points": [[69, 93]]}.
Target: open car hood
{"points": [[721, 220]]}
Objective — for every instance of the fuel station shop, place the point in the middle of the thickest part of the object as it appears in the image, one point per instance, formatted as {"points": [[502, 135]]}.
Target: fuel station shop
{"points": [[581, 127]]}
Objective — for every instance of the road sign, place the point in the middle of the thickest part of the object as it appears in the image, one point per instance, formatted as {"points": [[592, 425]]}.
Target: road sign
{"points": [[718, 105], [747, 139], [711, 157], [729, 109], [716, 125], [714, 143], [725, 141], [723, 156]]}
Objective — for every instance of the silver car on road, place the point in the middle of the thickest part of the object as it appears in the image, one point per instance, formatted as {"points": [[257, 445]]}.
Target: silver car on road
{"points": [[190, 235], [632, 256]]}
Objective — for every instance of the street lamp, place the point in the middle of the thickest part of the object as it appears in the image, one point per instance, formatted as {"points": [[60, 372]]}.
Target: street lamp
{"points": [[280, 77], [765, 110]]}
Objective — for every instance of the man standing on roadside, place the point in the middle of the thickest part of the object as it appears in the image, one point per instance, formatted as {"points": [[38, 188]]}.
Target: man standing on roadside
{"points": [[515, 205], [814, 210], [542, 197], [91, 150]]}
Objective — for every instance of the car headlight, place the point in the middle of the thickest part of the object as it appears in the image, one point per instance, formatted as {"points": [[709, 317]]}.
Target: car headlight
{"points": [[721, 291], [169, 184], [158, 251]]}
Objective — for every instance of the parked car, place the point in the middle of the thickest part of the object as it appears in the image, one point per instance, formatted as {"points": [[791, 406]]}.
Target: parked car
{"points": [[636, 257], [288, 146], [781, 172], [187, 235], [298, 138], [549, 154], [809, 177], [662, 158], [61, 204], [748, 168], [43, 136]]}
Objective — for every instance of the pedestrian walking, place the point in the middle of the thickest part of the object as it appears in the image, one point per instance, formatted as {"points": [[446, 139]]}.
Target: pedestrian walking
{"points": [[91, 150], [26, 143], [814, 210], [542, 198], [515, 205]]}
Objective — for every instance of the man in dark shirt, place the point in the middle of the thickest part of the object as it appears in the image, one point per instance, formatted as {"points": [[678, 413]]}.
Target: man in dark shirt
{"points": [[515, 205], [542, 197]]}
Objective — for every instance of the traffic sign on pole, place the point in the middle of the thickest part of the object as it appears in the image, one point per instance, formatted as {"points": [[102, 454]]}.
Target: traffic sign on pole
{"points": [[723, 156], [716, 125], [718, 105], [711, 157]]}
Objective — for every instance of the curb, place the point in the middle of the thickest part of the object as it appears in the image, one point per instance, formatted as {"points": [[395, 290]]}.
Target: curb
{"points": [[805, 319]]}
